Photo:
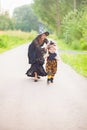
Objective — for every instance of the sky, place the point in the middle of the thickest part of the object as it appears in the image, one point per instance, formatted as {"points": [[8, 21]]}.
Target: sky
{"points": [[9, 5]]}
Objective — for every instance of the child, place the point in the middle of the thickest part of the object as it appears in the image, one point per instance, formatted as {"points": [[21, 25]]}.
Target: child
{"points": [[51, 64]]}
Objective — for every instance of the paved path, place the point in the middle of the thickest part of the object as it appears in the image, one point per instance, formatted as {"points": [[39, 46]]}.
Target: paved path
{"points": [[26, 105]]}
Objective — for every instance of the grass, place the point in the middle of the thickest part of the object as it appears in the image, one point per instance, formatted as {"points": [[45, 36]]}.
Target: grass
{"points": [[11, 39], [77, 61]]}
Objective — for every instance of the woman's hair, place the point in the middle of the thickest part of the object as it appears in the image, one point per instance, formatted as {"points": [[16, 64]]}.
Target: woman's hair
{"points": [[39, 39]]}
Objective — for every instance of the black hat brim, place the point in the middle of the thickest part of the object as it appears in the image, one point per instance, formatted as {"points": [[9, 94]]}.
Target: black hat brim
{"points": [[46, 33]]}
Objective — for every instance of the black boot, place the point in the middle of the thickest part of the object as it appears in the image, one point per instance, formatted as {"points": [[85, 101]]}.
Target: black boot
{"points": [[48, 81], [51, 80], [38, 77]]}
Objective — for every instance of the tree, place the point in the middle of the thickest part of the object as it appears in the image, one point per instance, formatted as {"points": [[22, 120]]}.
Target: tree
{"points": [[6, 22], [25, 18], [52, 12], [48, 13]]}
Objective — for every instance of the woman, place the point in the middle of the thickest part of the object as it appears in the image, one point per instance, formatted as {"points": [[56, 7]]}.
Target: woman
{"points": [[35, 56]]}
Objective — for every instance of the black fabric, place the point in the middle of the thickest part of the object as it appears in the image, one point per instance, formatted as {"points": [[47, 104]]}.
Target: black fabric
{"points": [[40, 61], [31, 53], [35, 56], [35, 51], [46, 33], [36, 68], [52, 56]]}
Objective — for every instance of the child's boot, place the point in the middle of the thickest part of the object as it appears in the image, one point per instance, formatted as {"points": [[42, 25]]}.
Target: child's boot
{"points": [[51, 80], [48, 79]]}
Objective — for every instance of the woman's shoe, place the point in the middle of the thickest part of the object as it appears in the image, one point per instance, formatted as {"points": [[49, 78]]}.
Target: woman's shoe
{"points": [[35, 80], [38, 77], [35, 77]]}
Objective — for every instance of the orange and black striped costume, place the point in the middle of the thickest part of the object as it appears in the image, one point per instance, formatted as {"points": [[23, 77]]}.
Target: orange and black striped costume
{"points": [[51, 67]]}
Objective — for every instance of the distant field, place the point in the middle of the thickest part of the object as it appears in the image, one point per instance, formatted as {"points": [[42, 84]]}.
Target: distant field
{"points": [[11, 39]]}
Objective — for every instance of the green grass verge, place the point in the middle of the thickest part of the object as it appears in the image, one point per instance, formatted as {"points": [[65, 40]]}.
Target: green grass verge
{"points": [[77, 61]]}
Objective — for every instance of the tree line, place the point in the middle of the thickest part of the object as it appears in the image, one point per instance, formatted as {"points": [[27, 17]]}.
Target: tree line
{"points": [[23, 18]]}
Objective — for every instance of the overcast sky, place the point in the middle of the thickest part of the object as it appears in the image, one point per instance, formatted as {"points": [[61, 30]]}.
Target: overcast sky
{"points": [[11, 4]]}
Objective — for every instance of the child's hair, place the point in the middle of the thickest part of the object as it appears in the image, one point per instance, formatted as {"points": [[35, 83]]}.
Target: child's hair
{"points": [[52, 47], [51, 42]]}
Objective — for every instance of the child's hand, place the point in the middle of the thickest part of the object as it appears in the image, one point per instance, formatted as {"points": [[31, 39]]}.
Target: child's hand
{"points": [[46, 55], [57, 58]]}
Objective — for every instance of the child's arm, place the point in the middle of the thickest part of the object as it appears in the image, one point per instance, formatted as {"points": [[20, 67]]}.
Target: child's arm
{"points": [[46, 55], [57, 57]]}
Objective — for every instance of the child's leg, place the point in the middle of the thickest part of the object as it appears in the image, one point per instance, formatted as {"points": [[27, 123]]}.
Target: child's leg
{"points": [[54, 69], [48, 70], [48, 76], [52, 78]]}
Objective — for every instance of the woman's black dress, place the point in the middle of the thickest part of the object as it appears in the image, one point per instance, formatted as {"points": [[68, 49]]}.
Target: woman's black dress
{"points": [[35, 56]]}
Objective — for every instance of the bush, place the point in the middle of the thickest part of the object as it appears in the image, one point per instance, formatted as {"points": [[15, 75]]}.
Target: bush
{"points": [[3, 41], [75, 45], [74, 29]]}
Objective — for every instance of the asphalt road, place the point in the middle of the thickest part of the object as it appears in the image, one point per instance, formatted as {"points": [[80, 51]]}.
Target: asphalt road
{"points": [[28, 105]]}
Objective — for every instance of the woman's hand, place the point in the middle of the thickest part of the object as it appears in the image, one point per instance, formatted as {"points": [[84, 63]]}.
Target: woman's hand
{"points": [[47, 45]]}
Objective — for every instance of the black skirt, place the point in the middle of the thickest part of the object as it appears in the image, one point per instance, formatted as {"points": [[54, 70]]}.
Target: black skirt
{"points": [[36, 68]]}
